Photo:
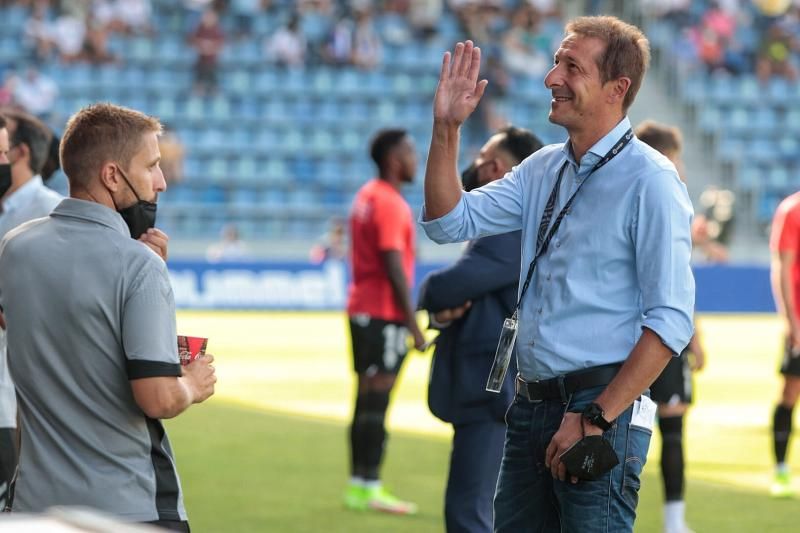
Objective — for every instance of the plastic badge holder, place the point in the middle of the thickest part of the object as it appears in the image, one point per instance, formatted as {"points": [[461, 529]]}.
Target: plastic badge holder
{"points": [[502, 358]]}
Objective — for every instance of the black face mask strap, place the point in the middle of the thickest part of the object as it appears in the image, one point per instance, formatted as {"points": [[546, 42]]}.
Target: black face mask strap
{"points": [[121, 173]]}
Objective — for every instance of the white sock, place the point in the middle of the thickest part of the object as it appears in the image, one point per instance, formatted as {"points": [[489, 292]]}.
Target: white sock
{"points": [[782, 468], [372, 483], [357, 481], [674, 515]]}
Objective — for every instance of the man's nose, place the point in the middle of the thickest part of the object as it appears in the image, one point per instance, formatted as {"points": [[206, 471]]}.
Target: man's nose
{"points": [[159, 182], [553, 78]]}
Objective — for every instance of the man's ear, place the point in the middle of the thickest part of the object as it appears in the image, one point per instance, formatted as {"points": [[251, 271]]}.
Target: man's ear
{"points": [[24, 151], [110, 177], [618, 89]]}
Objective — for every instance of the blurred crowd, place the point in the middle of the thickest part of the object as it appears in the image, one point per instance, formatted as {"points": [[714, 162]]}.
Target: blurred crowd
{"points": [[734, 36]]}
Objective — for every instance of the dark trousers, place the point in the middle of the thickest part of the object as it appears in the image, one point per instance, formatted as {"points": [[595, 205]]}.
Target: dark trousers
{"points": [[172, 525], [474, 466], [8, 466]]}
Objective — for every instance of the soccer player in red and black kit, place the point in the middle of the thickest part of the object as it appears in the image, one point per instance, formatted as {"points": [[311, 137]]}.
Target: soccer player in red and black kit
{"points": [[380, 311], [785, 273]]}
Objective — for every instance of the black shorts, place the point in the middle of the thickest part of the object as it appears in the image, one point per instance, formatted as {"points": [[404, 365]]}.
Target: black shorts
{"points": [[378, 345], [790, 365], [674, 385]]}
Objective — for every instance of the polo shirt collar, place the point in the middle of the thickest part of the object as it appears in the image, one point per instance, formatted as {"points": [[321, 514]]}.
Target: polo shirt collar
{"points": [[91, 212]]}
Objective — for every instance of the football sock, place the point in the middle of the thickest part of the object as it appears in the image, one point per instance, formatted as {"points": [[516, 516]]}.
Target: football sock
{"points": [[357, 440], [781, 431], [672, 456], [377, 402]]}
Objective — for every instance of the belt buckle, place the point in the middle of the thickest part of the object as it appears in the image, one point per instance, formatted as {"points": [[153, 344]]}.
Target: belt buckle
{"points": [[528, 391]]}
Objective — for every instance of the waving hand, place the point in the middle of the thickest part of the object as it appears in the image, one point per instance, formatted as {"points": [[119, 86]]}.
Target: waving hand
{"points": [[459, 90]]}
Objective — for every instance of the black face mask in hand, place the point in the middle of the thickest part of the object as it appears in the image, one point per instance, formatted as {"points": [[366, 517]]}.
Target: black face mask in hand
{"points": [[5, 178], [140, 216], [590, 458]]}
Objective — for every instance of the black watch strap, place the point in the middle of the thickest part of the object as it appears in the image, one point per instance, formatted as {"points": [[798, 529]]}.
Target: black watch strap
{"points": [[594, 415]]}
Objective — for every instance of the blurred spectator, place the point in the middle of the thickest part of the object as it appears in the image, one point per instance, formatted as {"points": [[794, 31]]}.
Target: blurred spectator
{"points": [[367, 48], [527, 49], [392, 21], [7, 88], [172, 154], [339, 49], [133, 15], [229, 248], [424, 15], [207, 41], [37, 33], [333, 245], [36, 92], [774, 55], [68, 35], [288, 46], [95, 45]]}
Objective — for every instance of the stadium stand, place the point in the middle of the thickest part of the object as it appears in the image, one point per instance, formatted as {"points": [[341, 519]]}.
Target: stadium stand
{"points": [[275, 150], [734, 67]]}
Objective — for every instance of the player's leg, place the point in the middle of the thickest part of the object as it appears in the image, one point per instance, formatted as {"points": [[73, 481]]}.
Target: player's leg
{"points": [[355, 496], [387, 353], [672, 391], [670, 423], [782, 422]]}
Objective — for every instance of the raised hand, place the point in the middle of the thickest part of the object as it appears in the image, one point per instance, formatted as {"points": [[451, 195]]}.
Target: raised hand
{"points": [[459, 90]]}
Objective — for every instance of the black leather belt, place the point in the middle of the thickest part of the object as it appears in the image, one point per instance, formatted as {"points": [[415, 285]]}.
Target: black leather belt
{"points": [[561, 387]]}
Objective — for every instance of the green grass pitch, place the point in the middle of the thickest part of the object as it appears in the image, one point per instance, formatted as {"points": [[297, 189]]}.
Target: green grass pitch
{"points": [[268, 452]]}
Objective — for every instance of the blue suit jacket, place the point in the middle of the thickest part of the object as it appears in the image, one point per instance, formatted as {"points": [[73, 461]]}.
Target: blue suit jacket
{"points": [[488, 275]]}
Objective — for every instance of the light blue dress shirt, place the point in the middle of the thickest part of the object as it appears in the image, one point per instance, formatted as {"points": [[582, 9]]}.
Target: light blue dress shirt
{"points": [[33, 200], [618, 262]]}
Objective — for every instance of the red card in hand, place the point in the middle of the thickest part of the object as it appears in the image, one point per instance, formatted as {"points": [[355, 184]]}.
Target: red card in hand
{"points": [[190, 348]]}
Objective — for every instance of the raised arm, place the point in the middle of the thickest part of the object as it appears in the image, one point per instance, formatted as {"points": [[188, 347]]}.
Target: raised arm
{"points": [[457, 96]]}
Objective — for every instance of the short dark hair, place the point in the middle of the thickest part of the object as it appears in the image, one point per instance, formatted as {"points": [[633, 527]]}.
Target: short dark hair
{"points": [[383, 143], [519, 143], [33, 133], [2, 122], [665, 139]]}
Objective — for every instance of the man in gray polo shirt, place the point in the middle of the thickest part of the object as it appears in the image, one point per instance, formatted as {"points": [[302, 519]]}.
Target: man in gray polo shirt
{"points": [[91, 332]]}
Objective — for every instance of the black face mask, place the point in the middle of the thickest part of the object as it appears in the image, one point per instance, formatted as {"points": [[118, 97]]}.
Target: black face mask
{"points": [[469, 177], [139, 217], [5, 178]]}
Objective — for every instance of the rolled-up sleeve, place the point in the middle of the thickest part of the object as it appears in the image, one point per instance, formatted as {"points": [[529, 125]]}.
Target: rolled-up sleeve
{"points": [[489, 210], [662, 234]]}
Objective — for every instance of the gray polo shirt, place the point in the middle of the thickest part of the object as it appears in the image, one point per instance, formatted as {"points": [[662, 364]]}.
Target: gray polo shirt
{"points": [[32, 200], [88, 310]]}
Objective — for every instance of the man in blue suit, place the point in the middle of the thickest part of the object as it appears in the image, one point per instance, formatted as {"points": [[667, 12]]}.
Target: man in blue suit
{"points": [[468, 302]]}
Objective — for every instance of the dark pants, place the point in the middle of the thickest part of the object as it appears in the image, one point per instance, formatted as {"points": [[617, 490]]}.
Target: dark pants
{"points": [[529, 498], [8, 466], [172, 525], [474, 466]]}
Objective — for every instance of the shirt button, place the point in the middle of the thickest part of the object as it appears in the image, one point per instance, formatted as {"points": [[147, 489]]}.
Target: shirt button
{"points": [[540, 310], [548, 277], [558, 245]]}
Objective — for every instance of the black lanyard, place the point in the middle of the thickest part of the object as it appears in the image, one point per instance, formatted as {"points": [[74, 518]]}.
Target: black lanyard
{"points": [[544, 237]]}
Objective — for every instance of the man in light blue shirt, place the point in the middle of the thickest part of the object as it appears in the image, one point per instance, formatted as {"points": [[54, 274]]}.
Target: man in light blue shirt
{"points": [[610, 299]]}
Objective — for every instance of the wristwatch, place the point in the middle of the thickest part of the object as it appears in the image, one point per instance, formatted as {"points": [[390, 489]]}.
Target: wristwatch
{"points": [[594, 415]]}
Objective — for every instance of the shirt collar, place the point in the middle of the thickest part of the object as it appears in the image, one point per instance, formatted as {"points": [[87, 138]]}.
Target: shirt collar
{"points": [[601, 147], [23, 195], [92, 212]]}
